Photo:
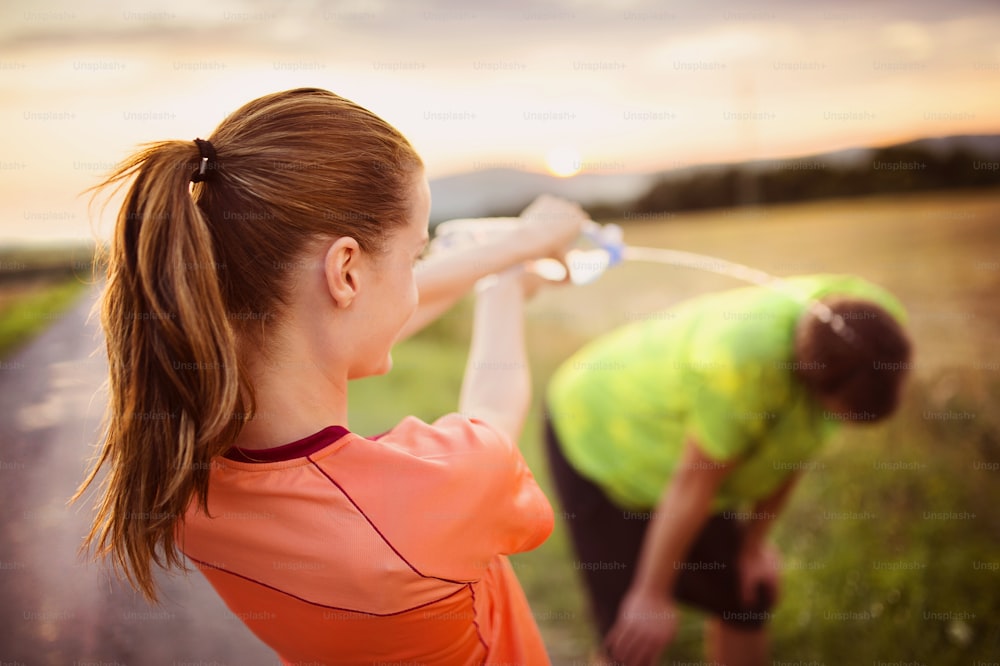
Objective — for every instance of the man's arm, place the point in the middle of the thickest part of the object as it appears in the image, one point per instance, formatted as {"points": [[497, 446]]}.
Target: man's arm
{"points": [[647, 619], [766, 511], [759, 561]]}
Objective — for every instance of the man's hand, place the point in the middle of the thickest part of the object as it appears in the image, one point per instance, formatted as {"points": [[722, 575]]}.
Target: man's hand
{"points": [[646, 623], [759, 565]]}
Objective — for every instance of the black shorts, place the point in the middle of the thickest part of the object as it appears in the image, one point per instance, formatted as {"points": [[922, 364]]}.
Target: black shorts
{"points": [[608, 540]]}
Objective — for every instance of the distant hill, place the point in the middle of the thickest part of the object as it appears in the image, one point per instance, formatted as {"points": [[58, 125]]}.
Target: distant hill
{"points": [[987, 145], [494, 192]]}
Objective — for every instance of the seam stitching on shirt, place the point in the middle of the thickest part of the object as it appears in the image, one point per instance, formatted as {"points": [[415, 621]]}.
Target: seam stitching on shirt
{"points": [[475, 621], [379, 532], [316, 603]]}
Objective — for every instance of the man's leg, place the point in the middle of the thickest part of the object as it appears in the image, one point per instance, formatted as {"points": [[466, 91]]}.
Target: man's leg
{"points": [[606, 539], [736, 634]]}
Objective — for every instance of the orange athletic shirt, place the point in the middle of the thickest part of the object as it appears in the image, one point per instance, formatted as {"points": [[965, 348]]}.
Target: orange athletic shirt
{"points": [[346, 550]]}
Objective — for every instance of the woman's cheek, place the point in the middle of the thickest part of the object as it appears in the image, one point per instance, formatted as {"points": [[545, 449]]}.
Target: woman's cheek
{"points": [[416, 297], [414, 294]]}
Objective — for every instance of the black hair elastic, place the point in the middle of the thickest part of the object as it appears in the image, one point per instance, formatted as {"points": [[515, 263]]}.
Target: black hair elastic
{"points": [[208, 164]]}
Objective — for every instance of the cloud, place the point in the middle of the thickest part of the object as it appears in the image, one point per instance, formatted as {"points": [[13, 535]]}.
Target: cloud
{"points": [[639, 84]]}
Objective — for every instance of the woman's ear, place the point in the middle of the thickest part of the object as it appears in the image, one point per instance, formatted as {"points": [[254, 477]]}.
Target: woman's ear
{"points": [[341, 267]]}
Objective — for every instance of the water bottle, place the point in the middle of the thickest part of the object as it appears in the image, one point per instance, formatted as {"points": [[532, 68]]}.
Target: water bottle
{"points": [[598, 248]]}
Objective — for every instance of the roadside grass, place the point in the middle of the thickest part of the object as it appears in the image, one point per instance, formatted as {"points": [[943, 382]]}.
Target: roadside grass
{"points": [[891, 542], [37, 284], [33, 309]]}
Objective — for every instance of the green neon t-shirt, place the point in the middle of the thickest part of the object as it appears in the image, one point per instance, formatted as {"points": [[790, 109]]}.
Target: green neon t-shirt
{"points": [[717, 368]]}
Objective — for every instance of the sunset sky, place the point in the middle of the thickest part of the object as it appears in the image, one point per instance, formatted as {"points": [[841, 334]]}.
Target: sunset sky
{"points": [[564, 86]]}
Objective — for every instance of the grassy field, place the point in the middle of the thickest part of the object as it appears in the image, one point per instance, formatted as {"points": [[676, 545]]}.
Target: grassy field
{"points": [[892, 543]]}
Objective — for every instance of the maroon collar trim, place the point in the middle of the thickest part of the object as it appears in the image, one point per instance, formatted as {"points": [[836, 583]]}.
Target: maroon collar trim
{"points": [[297, 449]]}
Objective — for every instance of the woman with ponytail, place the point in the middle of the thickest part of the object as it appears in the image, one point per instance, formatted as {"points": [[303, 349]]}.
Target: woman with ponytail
{"points": [[251, 275]]}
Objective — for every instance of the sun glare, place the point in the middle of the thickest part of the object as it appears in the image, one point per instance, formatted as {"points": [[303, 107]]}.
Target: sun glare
{"points": [[563, 162]]}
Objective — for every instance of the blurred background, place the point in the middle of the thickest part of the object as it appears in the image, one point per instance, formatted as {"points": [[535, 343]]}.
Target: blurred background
{"points": [[794, 137]]}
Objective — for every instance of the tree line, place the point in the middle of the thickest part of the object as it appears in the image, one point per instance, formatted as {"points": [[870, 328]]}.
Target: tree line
{"points": [[889, 170]]}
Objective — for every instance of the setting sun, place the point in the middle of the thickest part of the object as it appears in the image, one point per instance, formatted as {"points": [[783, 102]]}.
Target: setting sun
{"points": [[563, 162]]}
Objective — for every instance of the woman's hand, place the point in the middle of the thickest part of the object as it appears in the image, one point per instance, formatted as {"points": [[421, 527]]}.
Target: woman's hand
{"points": [[551, 226], [646, 623], [531, 282]]}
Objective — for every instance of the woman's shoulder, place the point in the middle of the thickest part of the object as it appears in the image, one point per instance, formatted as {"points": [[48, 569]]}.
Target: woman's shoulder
{"points": [[451, 433], [453, 444]]}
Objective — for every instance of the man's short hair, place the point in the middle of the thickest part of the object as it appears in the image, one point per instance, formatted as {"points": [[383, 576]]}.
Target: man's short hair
{"points": [[863, 368]]}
